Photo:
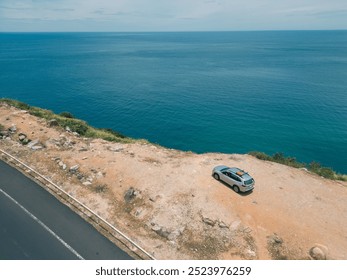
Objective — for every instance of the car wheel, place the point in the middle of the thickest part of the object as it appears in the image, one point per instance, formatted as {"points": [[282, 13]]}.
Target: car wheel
{"points": [[236, 189], [216, 176]]}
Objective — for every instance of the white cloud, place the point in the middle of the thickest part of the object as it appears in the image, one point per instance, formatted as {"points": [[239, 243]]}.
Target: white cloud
{"points": [[176, 14]]}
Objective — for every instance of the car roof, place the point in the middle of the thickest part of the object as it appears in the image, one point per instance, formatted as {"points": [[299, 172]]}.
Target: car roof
{"points": [[240, 173], [237, 171]]}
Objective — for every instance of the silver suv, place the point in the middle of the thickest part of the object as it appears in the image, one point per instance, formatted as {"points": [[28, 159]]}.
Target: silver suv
{"points": [[238, 179]]}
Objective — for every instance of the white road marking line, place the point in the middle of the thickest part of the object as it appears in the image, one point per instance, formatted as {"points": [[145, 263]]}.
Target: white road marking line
{"points": [[43, 225]]}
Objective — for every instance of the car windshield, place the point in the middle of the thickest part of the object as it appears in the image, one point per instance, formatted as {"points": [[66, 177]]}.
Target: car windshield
{"points": [[248, 182]]}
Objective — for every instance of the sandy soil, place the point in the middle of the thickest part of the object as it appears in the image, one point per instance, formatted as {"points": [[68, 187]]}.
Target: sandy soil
{"points": [[168, 202]]}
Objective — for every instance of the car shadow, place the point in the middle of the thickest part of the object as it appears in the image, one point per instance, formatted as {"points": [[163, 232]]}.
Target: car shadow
{"points": [[230, 187]]}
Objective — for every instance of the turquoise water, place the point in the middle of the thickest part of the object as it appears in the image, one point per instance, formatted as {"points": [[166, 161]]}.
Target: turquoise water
{"points": [[206, 91]]}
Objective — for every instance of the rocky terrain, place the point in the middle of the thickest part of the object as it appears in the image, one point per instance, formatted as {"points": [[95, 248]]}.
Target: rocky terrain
{"points": [[168, 202]]}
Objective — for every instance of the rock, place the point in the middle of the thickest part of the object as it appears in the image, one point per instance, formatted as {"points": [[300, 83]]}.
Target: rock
{"points": [[68, 129], [174, 235], [221, 224], [87, 183], [12, 129], [4, 133], [319, 252], [74, 168], [138, 212], [250, 254], [249, 230], [37, 147], [60, 163], [129, 194], [99, 175], [154, 198], [75, 133], [53, 122], [163, 232], [156, 228], [275, 239], [64, 166], [33, 143], [21, 136], [83, 150], [115, 149], [208, 221]]}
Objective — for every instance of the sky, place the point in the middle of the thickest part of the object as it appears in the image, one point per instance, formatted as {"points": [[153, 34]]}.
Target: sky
{"points": [[170, 15]]}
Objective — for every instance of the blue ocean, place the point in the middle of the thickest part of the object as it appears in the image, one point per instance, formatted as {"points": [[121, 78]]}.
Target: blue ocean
{"points": [[232, 92]]}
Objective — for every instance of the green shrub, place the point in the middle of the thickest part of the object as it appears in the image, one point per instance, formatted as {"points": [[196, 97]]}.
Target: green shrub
{"points": [[15, 103], [78, 126], [41, 113], [314, 167], [67, 115], [113, 132], [2, 127], [278, 157], [260, 155], [65, 119], [326, 172]]}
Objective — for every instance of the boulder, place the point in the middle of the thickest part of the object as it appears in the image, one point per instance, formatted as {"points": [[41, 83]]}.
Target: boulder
{"points": [[208, 221], [53, 122], [37, 147], [161, 231], [4, 133], [221, 224], [130, 194], [12, 129], [319, 252], [174, 235], [21, 137], [74, 168], [275, 239], [156, 228], [116, 149], [33, 143]]}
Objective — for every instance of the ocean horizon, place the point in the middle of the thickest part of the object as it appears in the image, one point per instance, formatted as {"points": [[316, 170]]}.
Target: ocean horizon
{"points": [[230, 92]]}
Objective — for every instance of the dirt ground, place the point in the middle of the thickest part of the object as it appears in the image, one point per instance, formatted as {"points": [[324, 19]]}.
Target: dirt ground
{"points": [[168, 202]]}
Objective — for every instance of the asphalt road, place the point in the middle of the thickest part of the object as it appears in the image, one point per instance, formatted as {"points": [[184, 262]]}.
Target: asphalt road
{"points": [[35, 225]]}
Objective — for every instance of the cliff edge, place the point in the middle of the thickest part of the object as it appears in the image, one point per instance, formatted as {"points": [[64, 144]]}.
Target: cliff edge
{"points": [[170, 204]]}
